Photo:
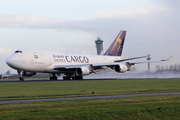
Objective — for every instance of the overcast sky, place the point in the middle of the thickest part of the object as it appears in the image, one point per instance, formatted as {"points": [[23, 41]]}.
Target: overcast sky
{"points": [[72, 26]]}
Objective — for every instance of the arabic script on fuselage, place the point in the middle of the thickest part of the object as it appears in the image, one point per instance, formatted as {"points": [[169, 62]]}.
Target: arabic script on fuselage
{"points": [[67, 58]]}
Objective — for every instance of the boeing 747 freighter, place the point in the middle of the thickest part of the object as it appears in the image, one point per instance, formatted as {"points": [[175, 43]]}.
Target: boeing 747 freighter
{"points": [[28, 62]]}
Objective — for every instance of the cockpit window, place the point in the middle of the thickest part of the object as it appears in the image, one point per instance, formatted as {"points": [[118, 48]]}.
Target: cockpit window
{"points": [[18, 51], [35, 56]]}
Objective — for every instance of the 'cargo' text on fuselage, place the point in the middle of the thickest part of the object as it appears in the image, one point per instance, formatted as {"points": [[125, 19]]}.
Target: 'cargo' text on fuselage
{"points": [[67, 58]]}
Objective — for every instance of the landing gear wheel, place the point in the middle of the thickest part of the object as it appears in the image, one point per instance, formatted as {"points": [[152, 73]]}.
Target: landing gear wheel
{"points": [[66, 78], [76, 77], [54, 77], [21, 78]]}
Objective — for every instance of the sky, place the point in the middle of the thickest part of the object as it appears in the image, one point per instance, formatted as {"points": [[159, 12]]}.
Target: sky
{"points": [[72, 26]]}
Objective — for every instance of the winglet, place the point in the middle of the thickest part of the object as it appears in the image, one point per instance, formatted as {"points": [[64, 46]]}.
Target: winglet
{"points": [[168, 59]]}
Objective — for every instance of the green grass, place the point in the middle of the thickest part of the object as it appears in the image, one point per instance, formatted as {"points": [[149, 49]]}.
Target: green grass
{"points": [[136, 108], [36, 90]]}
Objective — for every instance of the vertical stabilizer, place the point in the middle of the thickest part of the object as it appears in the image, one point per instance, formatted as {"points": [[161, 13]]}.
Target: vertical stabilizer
{"points": [[117, 46]]}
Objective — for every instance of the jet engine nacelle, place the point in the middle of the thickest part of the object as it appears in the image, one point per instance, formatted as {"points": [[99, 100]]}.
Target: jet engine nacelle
{"points": [[82, 71], [29, 74], [26, 74], [120, 68]]}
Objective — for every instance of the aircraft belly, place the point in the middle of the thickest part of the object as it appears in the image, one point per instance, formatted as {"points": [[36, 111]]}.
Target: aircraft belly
{"points": [[60, 71]]}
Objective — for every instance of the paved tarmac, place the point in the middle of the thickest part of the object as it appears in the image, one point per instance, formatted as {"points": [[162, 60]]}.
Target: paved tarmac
{"points": [[60, 80], [85, 98]]}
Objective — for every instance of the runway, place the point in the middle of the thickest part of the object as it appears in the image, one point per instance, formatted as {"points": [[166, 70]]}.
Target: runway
{"points": [[60, 80], [85, 98]]}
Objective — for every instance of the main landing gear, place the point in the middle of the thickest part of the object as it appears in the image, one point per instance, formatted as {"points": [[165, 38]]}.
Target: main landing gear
{"points": [[68, 77], [53, 77], [77, 77]]}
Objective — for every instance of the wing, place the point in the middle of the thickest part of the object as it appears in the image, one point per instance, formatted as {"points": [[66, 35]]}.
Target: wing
{"points": [[118, 65], [151, 61], [94, 66]]}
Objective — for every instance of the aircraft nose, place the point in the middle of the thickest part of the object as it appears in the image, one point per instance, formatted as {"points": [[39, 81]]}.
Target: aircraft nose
{"points": [[9, 61], [13, 62]]}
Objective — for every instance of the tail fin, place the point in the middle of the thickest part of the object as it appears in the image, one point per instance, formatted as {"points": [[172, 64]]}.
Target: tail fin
{"points": [[117, 46]]}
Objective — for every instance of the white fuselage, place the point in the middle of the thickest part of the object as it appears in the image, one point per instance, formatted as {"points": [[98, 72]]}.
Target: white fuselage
{"points": [[44, 61]]}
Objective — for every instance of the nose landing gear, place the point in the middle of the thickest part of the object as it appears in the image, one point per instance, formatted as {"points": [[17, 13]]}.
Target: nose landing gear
{"points": [[21, 78]]}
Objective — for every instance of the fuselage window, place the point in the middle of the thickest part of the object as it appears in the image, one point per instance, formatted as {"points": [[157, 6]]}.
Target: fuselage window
{"points": [[18, 51]]}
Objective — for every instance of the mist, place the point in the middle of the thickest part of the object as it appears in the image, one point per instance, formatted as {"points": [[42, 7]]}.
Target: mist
{"points": [[111, 74]]}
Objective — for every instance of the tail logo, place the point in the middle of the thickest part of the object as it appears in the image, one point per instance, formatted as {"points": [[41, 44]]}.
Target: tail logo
{"points": [[119, 46], [116, 47]]}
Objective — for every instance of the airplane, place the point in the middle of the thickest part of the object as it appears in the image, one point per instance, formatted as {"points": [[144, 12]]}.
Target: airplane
{"points": [[28, 62]]}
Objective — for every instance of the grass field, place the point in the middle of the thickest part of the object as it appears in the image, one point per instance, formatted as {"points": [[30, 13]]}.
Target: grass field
{"points": [[36, 90], [138, 108]]}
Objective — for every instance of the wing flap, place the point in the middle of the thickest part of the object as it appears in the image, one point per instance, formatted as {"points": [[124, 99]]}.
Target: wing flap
{"points": [[69, 66], [103, 64]]}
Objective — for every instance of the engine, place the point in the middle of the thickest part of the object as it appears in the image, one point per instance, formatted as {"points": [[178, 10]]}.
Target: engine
{"points": [[82, 71], [26, 74], [29, 74], [120, 68]]}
